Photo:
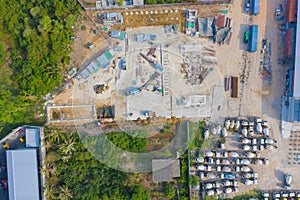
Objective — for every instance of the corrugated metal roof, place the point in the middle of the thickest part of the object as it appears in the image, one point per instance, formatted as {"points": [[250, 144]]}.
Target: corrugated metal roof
{"points": [[291, 11], [85, 73], [32, 136], [165, 169], [22, 173], [297, 58], [205, 26]]}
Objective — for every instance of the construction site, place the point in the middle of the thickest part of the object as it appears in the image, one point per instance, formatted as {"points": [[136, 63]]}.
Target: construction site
{"points": [[145, 66]]}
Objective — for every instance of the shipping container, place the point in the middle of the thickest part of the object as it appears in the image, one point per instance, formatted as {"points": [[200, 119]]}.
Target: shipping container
{"points": [[291, 11], [235, 87], [255, 7], [253, 38]]}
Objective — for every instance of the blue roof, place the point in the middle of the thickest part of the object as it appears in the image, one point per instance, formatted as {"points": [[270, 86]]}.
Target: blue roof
{"points": [[114, 34], [92, 67], [85, 73], [102, 60], [255, 7], [253, 38], [32, 136], [22, 174]]}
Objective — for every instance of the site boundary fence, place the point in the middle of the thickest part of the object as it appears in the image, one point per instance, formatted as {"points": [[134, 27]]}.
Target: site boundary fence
{"points": [[220, 2]]}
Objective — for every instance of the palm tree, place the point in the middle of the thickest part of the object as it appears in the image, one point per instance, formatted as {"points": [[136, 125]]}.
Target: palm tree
{"points": [[65, 193], [49, 192], [67, 147]]}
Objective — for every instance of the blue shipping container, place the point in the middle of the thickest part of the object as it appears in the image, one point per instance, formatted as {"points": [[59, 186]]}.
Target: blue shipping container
{"points": [[253, 38], [255, 7]]}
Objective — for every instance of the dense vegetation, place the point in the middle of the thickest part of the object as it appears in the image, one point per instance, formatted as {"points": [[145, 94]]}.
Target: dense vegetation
{"points": [[34, 48], [126, 142], [72, 172]]}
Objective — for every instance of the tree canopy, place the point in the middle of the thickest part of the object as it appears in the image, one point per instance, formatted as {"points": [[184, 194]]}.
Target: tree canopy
{"points": [[35, 42]]}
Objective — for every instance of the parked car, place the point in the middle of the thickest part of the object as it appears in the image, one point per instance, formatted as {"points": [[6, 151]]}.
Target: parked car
{"points": [[210, 192], [250, 175], [258, 162], [200, 167], [245, 141], [199, 160], [246, 169], [209, 154], [245, 162], [225, 162], [211, 175], [229, 176], [233, 154], [246, 147], [270, 141], [218, 191], [226, 169], [228, 190]]}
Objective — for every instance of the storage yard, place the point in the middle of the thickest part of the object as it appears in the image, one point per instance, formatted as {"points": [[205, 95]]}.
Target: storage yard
{"points": [[163, 63]]}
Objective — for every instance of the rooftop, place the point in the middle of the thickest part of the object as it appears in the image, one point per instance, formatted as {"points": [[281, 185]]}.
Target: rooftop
{"points": [[165, 169], [297, 59], [32, 136], [22, 172]]}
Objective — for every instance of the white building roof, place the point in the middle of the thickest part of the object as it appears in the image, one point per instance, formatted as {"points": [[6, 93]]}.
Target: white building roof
{"points": [[32, 136], [296, 91], [22, 174]]}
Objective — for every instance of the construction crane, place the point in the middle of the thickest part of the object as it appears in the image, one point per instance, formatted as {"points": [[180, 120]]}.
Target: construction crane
{"points": [[152, 50], [152, 62], [134, 91]]}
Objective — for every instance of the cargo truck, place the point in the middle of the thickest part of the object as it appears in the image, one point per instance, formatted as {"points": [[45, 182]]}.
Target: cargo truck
{"points": [[253, 38], [255, 7]]}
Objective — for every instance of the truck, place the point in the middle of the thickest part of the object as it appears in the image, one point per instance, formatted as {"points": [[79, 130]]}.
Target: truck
{"points": [[255, 7], [253, 38]]}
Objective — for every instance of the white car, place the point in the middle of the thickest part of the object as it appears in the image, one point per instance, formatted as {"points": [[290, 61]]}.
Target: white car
{"points": [[246, 169], [270, 141], [209, 154], [228, 190], [245, 162], [210, 192], [210, 175], [245, 141], [247, 181], [225, 162], [200, 167], [233, 154], [246, 147]]}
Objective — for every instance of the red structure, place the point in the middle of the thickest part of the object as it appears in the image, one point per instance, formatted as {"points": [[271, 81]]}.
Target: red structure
{"points": [[291, 11], [289, 43]]}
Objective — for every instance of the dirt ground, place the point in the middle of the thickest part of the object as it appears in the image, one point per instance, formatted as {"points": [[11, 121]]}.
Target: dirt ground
{"points": [[257, 97]]}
